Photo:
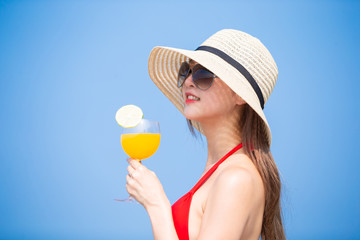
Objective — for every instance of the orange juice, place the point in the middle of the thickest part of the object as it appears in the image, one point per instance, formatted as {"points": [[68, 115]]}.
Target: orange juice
{"points": [[140, 145]]}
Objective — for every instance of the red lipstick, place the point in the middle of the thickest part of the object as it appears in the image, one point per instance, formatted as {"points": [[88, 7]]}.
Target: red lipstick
{"points": [[190, 100]]}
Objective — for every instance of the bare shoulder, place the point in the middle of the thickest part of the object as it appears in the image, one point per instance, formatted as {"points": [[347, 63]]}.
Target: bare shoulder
{"points": [[238, 175]]}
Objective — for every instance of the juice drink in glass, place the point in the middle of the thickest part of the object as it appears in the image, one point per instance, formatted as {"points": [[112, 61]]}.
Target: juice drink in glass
{"points": [[140, 145]]}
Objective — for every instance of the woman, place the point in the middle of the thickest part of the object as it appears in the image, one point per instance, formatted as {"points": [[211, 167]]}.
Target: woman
{"points": [[221, 89]]}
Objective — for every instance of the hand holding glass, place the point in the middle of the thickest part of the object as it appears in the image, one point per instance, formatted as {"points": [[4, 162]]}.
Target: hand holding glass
{"points": [[140, 142]]}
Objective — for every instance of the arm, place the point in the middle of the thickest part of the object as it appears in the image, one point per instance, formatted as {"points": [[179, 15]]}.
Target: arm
{"points": [[162, 222], [236, 197], [143, 185]]}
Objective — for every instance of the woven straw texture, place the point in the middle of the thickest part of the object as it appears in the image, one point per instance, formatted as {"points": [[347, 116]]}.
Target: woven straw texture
{"points": [[164, 64]]}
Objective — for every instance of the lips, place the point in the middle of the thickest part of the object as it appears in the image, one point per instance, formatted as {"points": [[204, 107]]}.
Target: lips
{"points": [[190, 98], [189, 95]]}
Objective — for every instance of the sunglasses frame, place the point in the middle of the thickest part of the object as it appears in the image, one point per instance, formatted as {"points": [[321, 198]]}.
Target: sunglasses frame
{"points": [[193, 71]]}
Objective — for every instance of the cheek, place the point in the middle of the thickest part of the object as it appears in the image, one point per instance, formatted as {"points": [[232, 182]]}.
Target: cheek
{"points": [[219, 102], [221, 96]]}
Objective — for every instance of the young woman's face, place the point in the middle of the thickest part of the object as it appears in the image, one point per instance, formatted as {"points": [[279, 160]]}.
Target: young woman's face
{"points": [[218, 101]]}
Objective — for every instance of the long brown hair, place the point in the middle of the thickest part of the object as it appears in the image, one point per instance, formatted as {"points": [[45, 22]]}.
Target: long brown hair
{"points": [[256, 146]]}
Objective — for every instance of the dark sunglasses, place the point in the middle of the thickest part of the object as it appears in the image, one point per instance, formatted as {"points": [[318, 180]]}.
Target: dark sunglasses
{"points": [[201, 77]]}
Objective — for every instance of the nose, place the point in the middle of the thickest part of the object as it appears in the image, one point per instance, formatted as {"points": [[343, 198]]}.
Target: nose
{"points": [[189, 82]]}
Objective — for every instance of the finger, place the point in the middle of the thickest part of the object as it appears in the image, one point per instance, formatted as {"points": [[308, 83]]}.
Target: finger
{"points": [[132, 186], [129, 180], [130, 169], [134, 163], [132, 159], [133, 175], [129, 189], [132, 179]]}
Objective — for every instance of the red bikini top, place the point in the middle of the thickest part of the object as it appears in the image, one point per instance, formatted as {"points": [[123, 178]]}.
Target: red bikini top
{"points": [[181, 208]]}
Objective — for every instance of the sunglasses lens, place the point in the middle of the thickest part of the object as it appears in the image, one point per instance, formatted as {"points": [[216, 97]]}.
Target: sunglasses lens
{"points": [[183, 73], [203, 79]]}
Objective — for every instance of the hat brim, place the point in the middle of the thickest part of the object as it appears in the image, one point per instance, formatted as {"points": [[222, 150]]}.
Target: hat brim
{"points": [[164, 64]]}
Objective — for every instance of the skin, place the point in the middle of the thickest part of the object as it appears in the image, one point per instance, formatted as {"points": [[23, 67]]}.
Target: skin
{"points": [[236, 183]]}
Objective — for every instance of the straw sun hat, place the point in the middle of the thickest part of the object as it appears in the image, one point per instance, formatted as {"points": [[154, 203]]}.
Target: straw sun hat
{"points": [[237, 58]]}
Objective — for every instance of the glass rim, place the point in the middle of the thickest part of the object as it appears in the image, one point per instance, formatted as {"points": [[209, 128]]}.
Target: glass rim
{"points": [[143, 124]]}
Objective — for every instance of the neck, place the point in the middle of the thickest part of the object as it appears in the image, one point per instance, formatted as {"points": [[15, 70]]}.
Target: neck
{"points": [[222, 136]]}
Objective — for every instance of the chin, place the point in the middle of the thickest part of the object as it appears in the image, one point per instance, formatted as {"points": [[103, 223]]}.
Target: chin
{"points": [[192, 115]]}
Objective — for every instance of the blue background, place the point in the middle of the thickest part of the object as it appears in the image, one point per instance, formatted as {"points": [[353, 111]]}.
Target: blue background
{"points": [[67, 66]]}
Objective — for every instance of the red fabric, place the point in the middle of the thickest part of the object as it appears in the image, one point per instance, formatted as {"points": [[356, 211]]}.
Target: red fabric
{"points": [[180, 209]]}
